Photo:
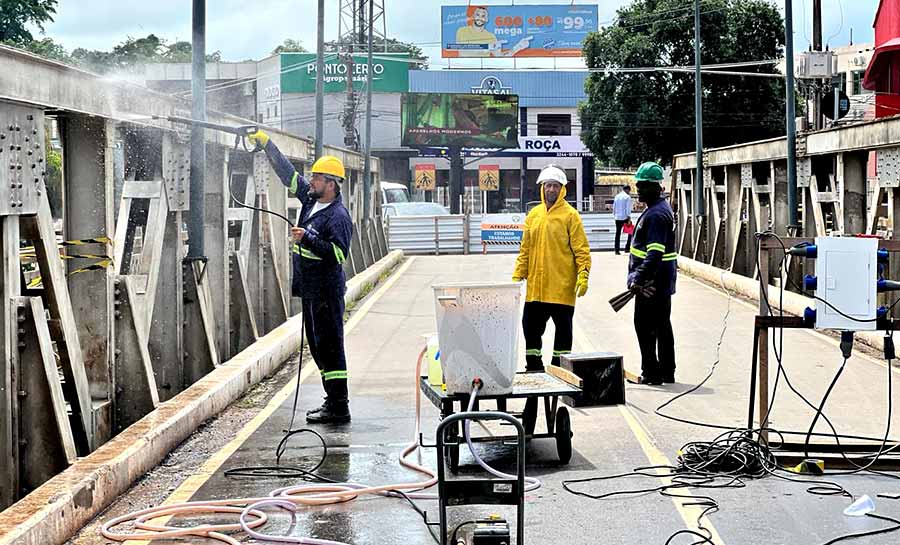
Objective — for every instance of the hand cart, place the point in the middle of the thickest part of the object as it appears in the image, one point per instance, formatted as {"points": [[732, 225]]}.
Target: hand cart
{"points": [[530, 386]]}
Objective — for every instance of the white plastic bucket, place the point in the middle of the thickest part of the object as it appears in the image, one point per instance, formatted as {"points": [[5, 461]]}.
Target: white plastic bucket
{"points": [[478, 332]]}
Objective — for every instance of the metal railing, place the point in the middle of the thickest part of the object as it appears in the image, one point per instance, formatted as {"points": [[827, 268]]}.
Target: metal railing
{"points": [[461, 234]]}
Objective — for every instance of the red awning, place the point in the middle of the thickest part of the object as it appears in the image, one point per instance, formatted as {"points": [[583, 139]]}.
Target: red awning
{"points": [[878, 67]]}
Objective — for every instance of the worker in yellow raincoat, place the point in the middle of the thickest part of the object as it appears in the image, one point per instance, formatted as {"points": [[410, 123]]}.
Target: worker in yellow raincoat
{"points": [[555, 261]]}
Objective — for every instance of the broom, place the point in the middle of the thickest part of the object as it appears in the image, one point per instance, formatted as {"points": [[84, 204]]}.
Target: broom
{"points": [[619, 301]]}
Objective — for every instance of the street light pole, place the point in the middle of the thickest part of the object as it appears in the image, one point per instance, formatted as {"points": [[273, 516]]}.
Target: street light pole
{"points": [[320, 81], [198, 143], [698, 119], [790, 114]]}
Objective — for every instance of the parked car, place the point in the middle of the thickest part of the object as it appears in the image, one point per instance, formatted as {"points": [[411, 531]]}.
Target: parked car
{"points": [[392, 192], [414, 209]]}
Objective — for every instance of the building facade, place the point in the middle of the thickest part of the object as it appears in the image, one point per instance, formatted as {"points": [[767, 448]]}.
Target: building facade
{"points": [[549, 133], [883, 72]]}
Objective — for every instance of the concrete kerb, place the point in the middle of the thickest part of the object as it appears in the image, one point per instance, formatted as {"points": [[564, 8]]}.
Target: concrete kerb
{"points": [[61, 506], [793, 303]]}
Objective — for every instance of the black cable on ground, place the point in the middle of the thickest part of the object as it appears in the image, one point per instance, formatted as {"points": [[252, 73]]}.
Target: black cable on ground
{"points": [[736, 454]]}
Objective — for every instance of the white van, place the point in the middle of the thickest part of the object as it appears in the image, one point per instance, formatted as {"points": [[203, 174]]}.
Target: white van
{"points": [[392, 192]]}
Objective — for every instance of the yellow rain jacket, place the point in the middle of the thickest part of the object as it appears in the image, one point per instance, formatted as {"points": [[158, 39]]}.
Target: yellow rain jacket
{"points": [[554, 250]]}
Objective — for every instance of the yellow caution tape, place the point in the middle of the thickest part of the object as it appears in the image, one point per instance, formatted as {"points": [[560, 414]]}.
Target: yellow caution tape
{"points": [[76, 242], [102, 264], [64, 256]]}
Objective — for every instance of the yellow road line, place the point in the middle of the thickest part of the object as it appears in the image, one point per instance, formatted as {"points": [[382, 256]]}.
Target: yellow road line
{"points": [[689, 514], [192, 484]]}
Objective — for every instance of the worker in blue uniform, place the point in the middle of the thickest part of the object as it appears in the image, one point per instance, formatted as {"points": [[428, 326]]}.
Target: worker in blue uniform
{"points": [[321, 245], [651, 276]]}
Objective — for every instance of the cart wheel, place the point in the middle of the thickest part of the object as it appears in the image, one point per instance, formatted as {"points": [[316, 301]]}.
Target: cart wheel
{"points": [[563, 435]]}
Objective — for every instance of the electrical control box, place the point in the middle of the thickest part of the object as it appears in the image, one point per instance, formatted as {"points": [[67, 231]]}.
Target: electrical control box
{"points": [[847, 277]]}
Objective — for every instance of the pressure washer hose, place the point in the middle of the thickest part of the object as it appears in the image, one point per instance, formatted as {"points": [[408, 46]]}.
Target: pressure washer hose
{"points": [[288, 498], [251, 517], [531, 482]]}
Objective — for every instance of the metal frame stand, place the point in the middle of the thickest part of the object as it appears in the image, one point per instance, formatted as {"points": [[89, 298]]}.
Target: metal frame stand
{"points": [[790, 453], [483, 491]]}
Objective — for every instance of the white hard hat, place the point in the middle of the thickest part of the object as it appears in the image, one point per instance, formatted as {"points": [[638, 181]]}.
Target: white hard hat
{"points": [[552, 174]]}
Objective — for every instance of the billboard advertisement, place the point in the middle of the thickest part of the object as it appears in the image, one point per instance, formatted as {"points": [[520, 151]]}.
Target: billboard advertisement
{"points": [[390, 73], [516, 31], [464, 120]]}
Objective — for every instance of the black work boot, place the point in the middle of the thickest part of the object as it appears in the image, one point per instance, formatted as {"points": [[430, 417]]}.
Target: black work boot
{"points": [[318, 409], [331, 413]]}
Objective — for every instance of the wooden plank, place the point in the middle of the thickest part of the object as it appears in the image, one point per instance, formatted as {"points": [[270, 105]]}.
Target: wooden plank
{"points": [[566, 376], [136, 390], [158, 219], [246, 229], [49, 445], [238, 214], [164, 316], [275, 297], [121, 234], [134, 189], [873, 209], [818, 216], [243, 321], [9, 436], [56, 295], [200, 347]]}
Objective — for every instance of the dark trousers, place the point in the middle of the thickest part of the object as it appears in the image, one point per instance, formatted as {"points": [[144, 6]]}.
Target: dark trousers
{"points": [[619, 225], [653, 325], [323, 318], [534, 323]]}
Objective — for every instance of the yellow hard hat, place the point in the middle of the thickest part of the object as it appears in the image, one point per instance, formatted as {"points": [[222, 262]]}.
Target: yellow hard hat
{"points": [[330, 165]]}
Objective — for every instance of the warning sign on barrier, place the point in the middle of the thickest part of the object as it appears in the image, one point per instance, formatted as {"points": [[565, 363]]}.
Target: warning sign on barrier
{"points": [[502, 228]]}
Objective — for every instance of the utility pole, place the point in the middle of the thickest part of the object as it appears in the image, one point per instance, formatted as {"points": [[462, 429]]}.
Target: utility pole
{"points": [[698, 121], [790, 114], [198, 141], [354, 28], [320, 80], [817, 46], [367, 169]]}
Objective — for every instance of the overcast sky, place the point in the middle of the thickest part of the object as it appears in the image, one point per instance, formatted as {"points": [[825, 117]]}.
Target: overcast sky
{"points": [[244, 29]]}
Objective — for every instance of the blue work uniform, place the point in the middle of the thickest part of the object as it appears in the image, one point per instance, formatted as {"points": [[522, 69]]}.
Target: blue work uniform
{"points": [[318, 275], [653, 263]]}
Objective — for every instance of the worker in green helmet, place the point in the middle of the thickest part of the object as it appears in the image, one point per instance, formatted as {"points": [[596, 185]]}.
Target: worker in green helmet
{"points": [[652, 270]]}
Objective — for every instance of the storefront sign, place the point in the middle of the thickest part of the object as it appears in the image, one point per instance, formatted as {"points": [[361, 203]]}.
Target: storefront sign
{"points": [[489, 177], [502, 228], [558, 144], [425, 177], [491, 85], [298, 73]]}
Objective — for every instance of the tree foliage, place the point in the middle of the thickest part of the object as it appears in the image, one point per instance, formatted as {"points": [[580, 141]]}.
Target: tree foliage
{"points": [[136, 51], [417, 56], [290, 46], [16, 15], [633, 117]]}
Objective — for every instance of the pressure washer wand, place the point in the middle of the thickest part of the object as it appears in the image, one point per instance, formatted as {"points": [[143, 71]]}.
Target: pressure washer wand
{"points": [[241, 132]]}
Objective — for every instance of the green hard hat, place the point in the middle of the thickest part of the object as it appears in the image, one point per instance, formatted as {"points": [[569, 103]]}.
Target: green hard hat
{"points": [[649, 172]]}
